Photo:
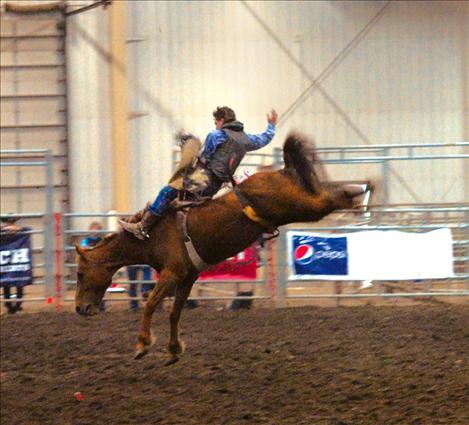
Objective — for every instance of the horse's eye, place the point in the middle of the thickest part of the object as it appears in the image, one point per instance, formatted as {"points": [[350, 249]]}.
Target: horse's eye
{"points": [[80, 275]]}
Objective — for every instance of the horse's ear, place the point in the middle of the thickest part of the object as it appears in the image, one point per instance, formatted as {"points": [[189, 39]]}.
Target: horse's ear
{"points": [[110, 236], [80, 251], [354, 190]]}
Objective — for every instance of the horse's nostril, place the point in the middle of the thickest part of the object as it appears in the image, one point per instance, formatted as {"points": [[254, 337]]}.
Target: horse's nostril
{"points": [[88, 309], [77, 309]]}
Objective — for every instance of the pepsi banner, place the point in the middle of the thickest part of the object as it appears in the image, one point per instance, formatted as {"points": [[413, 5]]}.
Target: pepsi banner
{"points": [[320, 255], [370, 255], [15, 260]]}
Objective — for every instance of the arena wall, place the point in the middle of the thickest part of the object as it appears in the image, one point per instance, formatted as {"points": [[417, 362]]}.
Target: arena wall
{"points": [[401, 78], [403, 82]]}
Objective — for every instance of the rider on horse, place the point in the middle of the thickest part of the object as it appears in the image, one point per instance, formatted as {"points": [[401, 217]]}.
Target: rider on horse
{"points": [[224, 149]]}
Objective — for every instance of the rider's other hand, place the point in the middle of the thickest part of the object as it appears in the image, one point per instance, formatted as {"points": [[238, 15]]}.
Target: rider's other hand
{"points": [[272, 117]]}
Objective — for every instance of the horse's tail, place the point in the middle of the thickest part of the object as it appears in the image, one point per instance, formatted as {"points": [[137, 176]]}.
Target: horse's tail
{"points": [[300, 156]]}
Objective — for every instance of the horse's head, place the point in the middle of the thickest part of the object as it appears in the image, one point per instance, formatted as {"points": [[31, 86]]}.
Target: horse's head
{"points": [[93, 278], [346, 196], [302, 161]]}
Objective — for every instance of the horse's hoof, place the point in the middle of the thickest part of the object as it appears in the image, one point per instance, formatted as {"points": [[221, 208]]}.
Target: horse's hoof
{"points": [[140, 354], [176, 349], [143, 346], [172, 360]]}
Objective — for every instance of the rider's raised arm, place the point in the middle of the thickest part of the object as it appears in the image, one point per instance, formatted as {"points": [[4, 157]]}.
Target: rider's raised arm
{"points": [[257, 141]]}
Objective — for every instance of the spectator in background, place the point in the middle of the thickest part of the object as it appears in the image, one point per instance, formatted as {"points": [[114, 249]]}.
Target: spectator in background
{"points": [[94, 238], [132, 272], [91, 241], [8, 224], [8, 232]]}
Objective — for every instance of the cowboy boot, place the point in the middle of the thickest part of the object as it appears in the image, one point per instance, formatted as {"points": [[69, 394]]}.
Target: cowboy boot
{"points": [[141, 230]]}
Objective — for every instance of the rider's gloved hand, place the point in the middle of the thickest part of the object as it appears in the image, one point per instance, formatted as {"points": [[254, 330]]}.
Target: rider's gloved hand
{"points": [[272, 117]]}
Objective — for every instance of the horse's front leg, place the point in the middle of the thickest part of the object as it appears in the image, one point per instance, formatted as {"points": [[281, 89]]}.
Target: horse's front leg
{"points": [[166, 284], [176, 346]]}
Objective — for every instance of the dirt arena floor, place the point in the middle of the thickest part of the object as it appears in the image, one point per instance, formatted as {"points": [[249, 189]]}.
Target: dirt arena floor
{"points": [[306, 365]]}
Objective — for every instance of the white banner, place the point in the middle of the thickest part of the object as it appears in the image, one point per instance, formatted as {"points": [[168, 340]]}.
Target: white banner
{"points": [[370, 255]]}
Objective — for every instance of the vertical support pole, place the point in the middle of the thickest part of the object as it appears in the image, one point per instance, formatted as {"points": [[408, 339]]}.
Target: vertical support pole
{"points": [[465, 95], [381, 218], [18, 193], [119, 105], [379, 289], [62, 27], [385, 173], [337, 291], [58, 260], [277, 157], [271, 272], [49, 229], [466, 251], [281, 260]]}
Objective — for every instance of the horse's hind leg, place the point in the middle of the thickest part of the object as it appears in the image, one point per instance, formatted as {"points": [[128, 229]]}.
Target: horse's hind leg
{"points": [[166, 284], [176, 346]]}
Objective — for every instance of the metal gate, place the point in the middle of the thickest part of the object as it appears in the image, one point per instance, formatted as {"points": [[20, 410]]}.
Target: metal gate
{"points": [[55, 257], [39, 218], [415, 218]]}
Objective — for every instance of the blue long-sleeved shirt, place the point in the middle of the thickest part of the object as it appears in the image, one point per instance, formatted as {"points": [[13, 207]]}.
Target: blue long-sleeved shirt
{"points": [[256, 141], [90, 241]]}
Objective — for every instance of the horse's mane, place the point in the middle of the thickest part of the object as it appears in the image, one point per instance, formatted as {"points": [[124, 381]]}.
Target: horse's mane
{"points": [[299, 155]]}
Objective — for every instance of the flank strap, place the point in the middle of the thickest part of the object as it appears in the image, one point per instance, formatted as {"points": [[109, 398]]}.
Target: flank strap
{"points": [[197, 261], [251, 213]]}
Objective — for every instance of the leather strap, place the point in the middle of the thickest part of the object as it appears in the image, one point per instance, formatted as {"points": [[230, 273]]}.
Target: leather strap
{"points": [[249, 211], [197, 261]]}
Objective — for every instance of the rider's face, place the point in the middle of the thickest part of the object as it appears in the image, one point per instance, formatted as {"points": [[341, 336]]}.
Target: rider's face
{"points": [[219, 123]]}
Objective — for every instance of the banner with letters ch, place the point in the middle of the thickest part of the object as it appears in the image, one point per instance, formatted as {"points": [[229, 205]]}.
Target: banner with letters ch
{"points": [[370, 255], [15, 260]]}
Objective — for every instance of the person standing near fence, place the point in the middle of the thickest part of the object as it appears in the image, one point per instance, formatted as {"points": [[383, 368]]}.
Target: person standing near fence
{"points": [[146, 288], [91, 241], [15, 262]]}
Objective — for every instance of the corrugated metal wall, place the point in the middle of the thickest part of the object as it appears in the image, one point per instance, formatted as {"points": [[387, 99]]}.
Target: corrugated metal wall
{"points": [[403, 82], [89, 111], [33, 108]]}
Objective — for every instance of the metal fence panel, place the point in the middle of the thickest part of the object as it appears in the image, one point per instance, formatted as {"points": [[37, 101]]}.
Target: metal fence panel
{"points": [[411, 218], [41, 222]]}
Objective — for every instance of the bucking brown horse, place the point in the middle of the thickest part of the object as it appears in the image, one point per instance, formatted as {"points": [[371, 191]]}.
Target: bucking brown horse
{"points": [[219, 228]]}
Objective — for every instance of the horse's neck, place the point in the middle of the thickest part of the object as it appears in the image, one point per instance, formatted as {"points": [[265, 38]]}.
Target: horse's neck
{"points": [[116, 252]]}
